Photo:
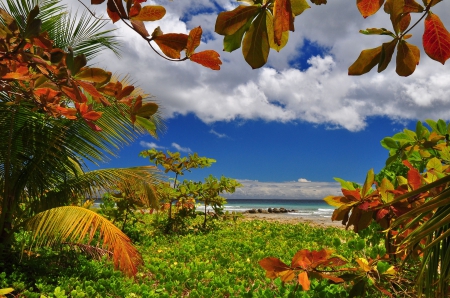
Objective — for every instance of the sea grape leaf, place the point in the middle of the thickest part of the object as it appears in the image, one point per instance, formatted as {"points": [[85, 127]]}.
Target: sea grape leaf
{"points": [[233, 42], [150, 13], [368, 7], [171, 44], [365, 62], [304, 281], [140, 27], [377, 31], [436, 39], [255, 46], [194, 38], [93, 75], [283, 19], [145, 123], [389, 143], [412, 6], [147, 110], [302, 259], [208, 58], [284, 36], [229, 22], [405, 20], [395, 9], [299, 6], [272, 264], [408, 57]]}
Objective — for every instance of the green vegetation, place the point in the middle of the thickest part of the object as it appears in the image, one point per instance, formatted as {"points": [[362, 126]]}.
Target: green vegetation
{"points": [[219, 263]]}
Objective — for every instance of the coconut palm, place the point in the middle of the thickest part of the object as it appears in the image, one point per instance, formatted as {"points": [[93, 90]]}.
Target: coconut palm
{"points": [[42, 159]]}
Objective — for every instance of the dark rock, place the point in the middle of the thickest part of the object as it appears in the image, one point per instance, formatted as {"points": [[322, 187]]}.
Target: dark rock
{"points": [[269, 210], [283, 210], [252, 211], [265, 211], [260, 210], [275, 210]]}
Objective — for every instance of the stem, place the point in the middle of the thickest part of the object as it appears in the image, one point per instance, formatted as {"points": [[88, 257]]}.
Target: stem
{"points": [[425, 12]]}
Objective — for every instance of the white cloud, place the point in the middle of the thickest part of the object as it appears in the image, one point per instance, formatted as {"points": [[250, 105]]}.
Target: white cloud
{"points": [[303, 180], [181, 149], [151, 145], [220, 135], [322, 93], [285, 190]]}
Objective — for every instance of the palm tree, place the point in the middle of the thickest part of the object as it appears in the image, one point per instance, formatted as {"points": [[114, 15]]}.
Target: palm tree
{"points": [[42, 164]]}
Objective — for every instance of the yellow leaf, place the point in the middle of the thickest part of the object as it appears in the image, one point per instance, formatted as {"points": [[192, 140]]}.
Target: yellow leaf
{"points": [[364, 264], [365, 62]]}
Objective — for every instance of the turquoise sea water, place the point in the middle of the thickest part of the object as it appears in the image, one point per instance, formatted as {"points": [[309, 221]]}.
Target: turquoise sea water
{"points": [[303, 208]]}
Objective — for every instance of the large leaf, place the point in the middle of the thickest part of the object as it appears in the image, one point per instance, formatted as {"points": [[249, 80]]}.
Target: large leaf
{"points": [[436, 39], [208, 58], [299, 6], [93, 75], [150, 13], [77, 224], [365, 62], [368, 7], [171, 44], [255, 46], [408, 57], [387, 50], [283, 19], [233, 42], [194, 38], [229, 22]]}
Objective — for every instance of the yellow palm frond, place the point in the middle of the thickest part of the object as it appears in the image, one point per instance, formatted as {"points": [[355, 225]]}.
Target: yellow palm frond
{"points": [[79, 225]]}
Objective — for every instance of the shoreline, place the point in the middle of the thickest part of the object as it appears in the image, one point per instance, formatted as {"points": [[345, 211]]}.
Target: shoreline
{"points": [[321, 222]]}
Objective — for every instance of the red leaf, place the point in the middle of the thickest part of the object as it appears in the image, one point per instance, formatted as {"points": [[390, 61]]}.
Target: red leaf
{"points": [[272, 264], [303, 280], [302, 259], [135, 9], [353, 195], [208, 58], [93, 126], [195, 36], [92, 115], [368, 7], [150, 13], [436, 39], [414, 179], [89, 88], [381, 214], [171, 44], [333, 278], [114, 16], [283, 19]]}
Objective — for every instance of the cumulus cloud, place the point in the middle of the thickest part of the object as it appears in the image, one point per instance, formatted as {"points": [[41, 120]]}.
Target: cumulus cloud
{"points": [[321, 93], [252, 189], [303, 180], [219, 135], [151, 145], [181, 149]]}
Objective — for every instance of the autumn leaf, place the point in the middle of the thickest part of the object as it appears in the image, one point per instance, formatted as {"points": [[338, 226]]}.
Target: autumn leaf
{"points": [[303, 280], [276, 268], [412, 6], [208, 58], [140, 28], [368, 7], [436, 39], [365, 62], [150, 13], [93, 75], [255, 46], [114, 16], [387, 50], [147, 110], [299, 6], [194, 38], [229, 22], [233, 42], [408, 57], [171, 44], [283, 19]]}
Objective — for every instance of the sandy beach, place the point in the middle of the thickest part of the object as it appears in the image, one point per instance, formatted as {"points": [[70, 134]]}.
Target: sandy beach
{"points": [[288, 219]]}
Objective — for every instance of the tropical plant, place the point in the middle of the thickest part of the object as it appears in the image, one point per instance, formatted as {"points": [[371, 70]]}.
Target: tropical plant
{"points": [[55, 114], [262, 25]]}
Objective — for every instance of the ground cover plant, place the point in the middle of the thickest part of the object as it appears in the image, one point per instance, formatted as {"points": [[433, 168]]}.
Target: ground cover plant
{"points": [[220, 263]]}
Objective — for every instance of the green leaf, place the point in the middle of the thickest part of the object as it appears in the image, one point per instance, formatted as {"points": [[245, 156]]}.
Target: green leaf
{"points": [[377, 31], [441, 127], [365, 62], [145, 123], [382, 267], [345, 184], [299, 6], [284, 35], [389, 143], [256, 47], [229, 22], [147, 110], [367, 187], [233, 42]]}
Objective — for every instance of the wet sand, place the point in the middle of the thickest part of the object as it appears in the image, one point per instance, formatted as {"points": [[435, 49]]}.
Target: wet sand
{"points": [[289, 219]]}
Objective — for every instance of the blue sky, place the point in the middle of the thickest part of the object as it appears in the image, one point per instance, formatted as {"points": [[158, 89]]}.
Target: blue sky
{"points": [[300, 116]]}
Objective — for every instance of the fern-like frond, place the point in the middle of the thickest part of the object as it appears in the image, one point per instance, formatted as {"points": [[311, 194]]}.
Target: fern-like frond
{"points": [[79, 225]]}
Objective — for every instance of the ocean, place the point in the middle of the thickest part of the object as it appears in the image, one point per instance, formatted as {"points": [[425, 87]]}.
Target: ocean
{"points": [[303, 208]]}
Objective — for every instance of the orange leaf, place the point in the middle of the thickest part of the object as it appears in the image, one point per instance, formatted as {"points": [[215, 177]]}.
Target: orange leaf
{"points": [[171, 44], [140, 27], [404, 22], [365, 62], [92, 115], [208, 58], [436, 39], [302, 259], [47, 93], [414, 179], [273, 264], [368, 7], [408, 56], [412, 6], [135, 9], [195, 36], [150, 13], [229, 22], [283, 19], [114, 16], [387, 50], [93, 75], [303, 280], [89, 88], [341, 213]]}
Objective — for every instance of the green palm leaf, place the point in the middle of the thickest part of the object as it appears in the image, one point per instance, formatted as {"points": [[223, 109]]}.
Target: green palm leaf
{"points": [[79, 225]]}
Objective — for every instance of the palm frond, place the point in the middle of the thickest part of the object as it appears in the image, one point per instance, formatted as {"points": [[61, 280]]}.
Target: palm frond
{"points": [[79, 225]]}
